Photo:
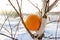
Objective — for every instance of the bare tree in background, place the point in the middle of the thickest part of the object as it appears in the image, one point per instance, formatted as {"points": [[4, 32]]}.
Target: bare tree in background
{"points": [[46, 8]]}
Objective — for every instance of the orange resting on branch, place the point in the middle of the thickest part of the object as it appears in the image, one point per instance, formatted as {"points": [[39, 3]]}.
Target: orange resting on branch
{"points": [[33, 22]]}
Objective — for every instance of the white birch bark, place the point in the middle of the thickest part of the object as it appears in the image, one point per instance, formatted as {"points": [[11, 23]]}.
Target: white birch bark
{"points": [[42, 28]]}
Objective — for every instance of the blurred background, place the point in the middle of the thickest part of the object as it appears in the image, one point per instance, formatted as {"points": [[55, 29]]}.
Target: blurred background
{"points": [[10, 21]]}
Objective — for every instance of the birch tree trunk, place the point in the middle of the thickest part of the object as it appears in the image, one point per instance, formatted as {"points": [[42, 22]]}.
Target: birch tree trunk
{"points": [[40, 32]]}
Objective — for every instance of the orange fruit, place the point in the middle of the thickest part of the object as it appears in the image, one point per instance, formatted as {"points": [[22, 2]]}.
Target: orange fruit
{"points": [[33, 22]]}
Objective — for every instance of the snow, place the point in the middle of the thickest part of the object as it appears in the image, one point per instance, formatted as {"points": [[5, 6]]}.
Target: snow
{"points": [[22, 34]]}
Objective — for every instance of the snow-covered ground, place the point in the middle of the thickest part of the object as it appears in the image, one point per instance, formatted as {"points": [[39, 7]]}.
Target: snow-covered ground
{"points": [[22, 34]]}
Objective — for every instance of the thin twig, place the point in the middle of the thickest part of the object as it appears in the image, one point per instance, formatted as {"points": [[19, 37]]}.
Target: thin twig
{"points": [[14, 7], [19, 8], [53, 21], [9, 25], [24, 24], [16, 29], [49, 36], [7, 36], [10, 28], [57, 28], [9, 21], [21, 18], [52, 5], [4, 23], [53, 37], [45, 8], [4, 27], [40, 13]]}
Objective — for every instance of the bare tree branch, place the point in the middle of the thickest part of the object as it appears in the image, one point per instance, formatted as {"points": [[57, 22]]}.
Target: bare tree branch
{"points": [[8, 36], [40, 13], [45, 8], [4, 23], [57, 28], [52, 5], [20, 16], [4, 27], [53, 21], [10, 28], [16, 29], [14, 7], [22, 19], [53, 37], [18, 6]]}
